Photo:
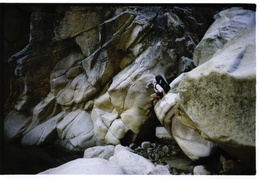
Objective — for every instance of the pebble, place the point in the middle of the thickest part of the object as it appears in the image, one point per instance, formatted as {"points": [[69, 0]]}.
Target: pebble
{"points": [[165, 149], [200, 170], [149, 150], [174, 153], [145, 144], [156, 157], [133, 146]]}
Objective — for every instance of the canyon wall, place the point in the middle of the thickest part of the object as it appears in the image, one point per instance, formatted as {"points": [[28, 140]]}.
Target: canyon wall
{"points": [[79, 82]]}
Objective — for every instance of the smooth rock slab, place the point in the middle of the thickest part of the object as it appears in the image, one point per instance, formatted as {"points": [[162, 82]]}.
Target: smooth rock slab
{"points": [[162, 133], [87, 166], [77, 128], [104, 152], [136, 164], [15, 124], [42, 133], [192, 143], [179, 163]]}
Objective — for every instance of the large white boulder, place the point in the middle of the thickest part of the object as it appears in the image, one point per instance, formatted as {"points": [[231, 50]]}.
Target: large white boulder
{"points": [[122, 162], [132, 163], [136, 164], [82, 166], [217, 98], [191, 142]]}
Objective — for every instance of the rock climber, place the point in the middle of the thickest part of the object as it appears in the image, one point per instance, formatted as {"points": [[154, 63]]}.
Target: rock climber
{"points": [[161, 87]]}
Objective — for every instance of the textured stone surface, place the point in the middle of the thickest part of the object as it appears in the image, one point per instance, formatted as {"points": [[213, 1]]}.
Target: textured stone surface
{"points": [[225, 112], [78, 20], [231, 78]]}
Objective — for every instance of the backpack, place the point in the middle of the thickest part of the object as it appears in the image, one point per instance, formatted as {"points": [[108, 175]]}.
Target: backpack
{"points": [[166, 87], [160, 80]]}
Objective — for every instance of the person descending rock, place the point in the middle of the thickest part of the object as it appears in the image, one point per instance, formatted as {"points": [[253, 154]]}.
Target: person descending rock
{"points": [[161, 87]]}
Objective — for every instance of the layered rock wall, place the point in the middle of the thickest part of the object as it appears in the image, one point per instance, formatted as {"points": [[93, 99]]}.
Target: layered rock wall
{"points": [[81, 78]]}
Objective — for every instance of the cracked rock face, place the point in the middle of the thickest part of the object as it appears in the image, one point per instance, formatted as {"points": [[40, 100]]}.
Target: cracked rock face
{"points": [[83, 73]]}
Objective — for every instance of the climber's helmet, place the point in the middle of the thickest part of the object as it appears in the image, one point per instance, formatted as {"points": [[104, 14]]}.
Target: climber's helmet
{"points": [[148, 85]]}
